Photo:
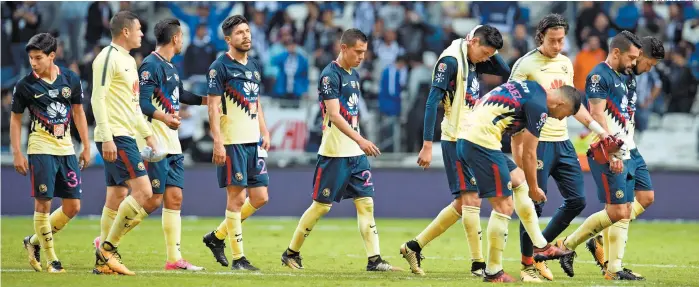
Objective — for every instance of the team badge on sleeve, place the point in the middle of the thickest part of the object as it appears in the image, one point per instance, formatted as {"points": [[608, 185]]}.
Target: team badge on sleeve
{"points": [[257, 75], [65, 92], [442, 67], [212, 73], [594, 83], [145, 75], [595, 79], [542, 121]]}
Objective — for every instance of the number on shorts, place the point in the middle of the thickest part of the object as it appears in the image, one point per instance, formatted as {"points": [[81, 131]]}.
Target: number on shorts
{"points": [[72, 179], [264, 166], [367, 182]]}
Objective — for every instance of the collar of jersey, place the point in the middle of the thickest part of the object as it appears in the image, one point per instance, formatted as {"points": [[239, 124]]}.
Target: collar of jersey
{"points": [[119, 48]]}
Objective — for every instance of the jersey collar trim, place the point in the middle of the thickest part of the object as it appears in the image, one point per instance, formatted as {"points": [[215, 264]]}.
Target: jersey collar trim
{"points": [[58, 72], [119, 48]]}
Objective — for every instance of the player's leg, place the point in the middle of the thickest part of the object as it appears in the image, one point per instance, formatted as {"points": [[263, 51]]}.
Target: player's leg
{"points": [[492, 176], [471, 220], [43, 171], [569, 179], [643, 187], [257, 190], [329, 180], [610, 188], [546, 158], [129, 169], [172, 222]]}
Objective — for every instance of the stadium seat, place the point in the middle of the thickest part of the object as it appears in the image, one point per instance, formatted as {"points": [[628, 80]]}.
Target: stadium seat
{"points": [[677, 122]]}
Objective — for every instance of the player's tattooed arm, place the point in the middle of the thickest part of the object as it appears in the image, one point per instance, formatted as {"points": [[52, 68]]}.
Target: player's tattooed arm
{"points": [[597, 107], [219, 156], [585, 118]]}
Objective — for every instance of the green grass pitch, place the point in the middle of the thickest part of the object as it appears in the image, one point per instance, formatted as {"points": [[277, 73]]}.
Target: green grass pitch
{"points": [[666, 253]]}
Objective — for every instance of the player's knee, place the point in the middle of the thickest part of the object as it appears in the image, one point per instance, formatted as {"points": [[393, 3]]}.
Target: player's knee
{"points": [[320, 208], [618, 212], [42, 205], [517, 177], [574, 204], [259, 201], [504, 205], [364, 204], [645, 198], [470, 199], [71, 210], [457, 204]]}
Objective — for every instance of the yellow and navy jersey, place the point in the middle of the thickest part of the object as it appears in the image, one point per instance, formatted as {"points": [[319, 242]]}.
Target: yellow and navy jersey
{"points": [[115, 95], [507, 109], [551, 73], [337, 83], [632, 96], [160, 90], [606, 84], [50, 106], [239, 85]]}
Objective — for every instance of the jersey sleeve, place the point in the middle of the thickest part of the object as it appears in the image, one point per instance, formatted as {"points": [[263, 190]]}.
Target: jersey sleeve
{"points": [[596, 86], [520, 71], [19, 98], [76, 97], [102, 73], [444, 73], [329, 86], [536, 113], [149, 80], [496, 65], [436, 96], [216, 80]]}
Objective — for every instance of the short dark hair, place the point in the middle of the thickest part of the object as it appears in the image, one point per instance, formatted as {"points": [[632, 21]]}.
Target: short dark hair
{"points": [[489, 36], [653, 48], [229, 24], [165, 29], [121, 20], [43, 42], [351, 36], [572, 95], [550, 21], [624, 40]]}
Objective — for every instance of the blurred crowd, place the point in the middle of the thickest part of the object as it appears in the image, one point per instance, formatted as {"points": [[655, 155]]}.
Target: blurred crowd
{"points": [[295, 40]]}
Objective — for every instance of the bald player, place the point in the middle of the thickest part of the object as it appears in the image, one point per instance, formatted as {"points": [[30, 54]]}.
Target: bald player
{"points": [[556, 156]]}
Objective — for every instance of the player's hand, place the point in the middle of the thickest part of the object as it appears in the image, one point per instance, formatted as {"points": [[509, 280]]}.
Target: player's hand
{"points": [[172, 121], [616, 165], [21, 164], [266, 141], [109, 151], [85, 157], [369, 148], [424, 158], [537, 195], [219, 154]]}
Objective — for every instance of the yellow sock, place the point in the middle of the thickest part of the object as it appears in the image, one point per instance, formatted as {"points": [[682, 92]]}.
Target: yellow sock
{"points": [[247, 210], [58, 221], [308, 220], [221, 231], [42, 227], [636, 209], [367, 225], [471, 219], [445, 219], [497, 239], [172, 227], [236, 229], [592, 225], [106, 222], [524, 206], [129, 215], [605, 243], [618, 233]]}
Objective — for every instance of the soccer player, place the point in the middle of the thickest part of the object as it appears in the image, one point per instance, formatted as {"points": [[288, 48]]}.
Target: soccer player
{"points": [[343, 169], [556, 156], [161, 92], [607, 94], [237, 123], [520, 109], [119, 122], [652, 52], [53, 96], [455, 84]]}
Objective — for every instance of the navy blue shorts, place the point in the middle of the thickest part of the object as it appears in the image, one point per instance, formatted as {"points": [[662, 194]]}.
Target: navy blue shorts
{"points": [[613, 188], [54, 176], [560, 161], [167, 172], [243, 167], [459, 176], [490, 167], [337, 178], [642, 176], [128, 164]]}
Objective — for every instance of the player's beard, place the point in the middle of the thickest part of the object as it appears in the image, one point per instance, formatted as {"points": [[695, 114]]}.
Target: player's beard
{"points": [[241, 49]]}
